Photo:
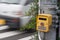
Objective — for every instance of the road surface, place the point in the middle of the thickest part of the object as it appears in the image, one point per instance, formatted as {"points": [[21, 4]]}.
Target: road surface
{"points": [[9, 34]]}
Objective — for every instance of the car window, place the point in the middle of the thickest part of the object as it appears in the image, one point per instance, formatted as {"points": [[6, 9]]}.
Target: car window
{"points": [[10, 1]]}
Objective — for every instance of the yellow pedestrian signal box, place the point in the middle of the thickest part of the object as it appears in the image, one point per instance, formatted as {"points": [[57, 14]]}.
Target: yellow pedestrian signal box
{"points": [[43, 22]]}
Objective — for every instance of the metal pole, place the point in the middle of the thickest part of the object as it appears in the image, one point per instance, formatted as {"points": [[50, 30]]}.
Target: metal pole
{"points": [[41, 35], [49, 7]]}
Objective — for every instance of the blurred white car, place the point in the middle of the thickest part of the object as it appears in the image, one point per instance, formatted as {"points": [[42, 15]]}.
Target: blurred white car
{"points": [[14, 10]]}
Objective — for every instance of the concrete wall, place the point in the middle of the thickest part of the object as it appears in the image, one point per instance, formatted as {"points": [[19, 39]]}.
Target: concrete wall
{"points": [[26, 8]]}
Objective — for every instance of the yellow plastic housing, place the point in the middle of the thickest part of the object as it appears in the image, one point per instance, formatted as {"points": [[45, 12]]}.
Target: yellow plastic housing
{"points": [[46, 20], [2, 22]]}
